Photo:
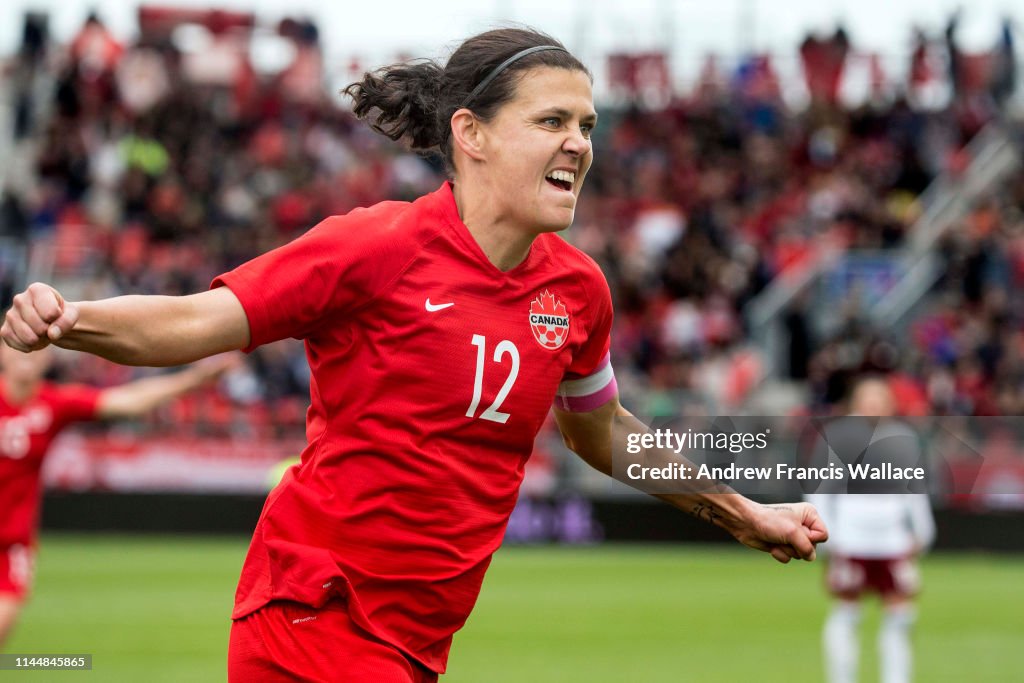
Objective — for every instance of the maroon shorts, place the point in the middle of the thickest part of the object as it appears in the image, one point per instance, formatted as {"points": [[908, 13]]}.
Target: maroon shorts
{"points": [[289, 641], [17, 566], [849, 577]]}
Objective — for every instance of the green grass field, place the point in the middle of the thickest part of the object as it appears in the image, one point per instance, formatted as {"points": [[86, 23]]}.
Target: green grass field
{"points": [[156, 609]]}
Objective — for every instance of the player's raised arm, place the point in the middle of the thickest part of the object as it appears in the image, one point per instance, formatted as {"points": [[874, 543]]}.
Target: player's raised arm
{"points": [[135, 399], [131, 330], [785, 531]]}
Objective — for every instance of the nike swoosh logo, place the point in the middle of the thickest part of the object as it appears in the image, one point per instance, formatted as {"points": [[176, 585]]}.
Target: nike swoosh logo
{"points": [[438, 307]]}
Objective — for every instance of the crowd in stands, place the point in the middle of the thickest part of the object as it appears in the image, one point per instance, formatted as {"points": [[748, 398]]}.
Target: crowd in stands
{"points": [[148, 173], [964, 353]]}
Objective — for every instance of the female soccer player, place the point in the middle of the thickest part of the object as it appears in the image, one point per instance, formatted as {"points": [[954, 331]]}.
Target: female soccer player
{"points": [[32, 413], [438, 333], [874, 545]]}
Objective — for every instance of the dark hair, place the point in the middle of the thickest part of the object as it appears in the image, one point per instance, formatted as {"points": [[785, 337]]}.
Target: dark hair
{"points": [[415, 100]]}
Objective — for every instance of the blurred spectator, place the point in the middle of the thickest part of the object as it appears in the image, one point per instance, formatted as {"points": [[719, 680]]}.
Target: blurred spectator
{"points": [[26, 69], [823, 62]]}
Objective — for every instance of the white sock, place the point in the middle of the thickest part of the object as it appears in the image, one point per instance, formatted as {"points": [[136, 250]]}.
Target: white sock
{"points": [[894, 644], [841, 643]]}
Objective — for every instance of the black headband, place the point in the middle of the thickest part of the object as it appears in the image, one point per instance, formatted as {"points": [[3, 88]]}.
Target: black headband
{"points": [[482, 85]]}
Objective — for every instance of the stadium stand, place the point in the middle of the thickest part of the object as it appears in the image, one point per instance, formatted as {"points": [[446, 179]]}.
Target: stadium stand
{"points": [[759, 253]]}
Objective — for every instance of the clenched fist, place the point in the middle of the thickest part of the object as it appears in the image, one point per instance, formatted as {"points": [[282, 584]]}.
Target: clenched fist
{"points": [[38, 317]]}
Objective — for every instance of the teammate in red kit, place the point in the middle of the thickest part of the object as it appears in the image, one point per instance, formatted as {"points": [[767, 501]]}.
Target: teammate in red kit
{"points": [[32, 413], [438, 332]]}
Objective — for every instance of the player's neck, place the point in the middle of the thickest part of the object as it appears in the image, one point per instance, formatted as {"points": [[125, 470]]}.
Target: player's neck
{"points": [[505, 245], [17, 393]]}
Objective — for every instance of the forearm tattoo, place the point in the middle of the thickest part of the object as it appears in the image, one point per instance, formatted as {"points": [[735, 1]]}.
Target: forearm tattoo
{"points": [[706, 512]]}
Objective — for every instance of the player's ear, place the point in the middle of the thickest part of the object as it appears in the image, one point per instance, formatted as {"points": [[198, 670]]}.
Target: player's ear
{"points": [[467, 134]]}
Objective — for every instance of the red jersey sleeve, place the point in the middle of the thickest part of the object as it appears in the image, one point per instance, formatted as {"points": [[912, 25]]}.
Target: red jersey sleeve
{"points": [[333, 269], [74, 403]]}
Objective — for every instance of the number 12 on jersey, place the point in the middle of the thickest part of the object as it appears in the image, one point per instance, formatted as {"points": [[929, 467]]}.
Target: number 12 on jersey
{"points": [[504, 347]]}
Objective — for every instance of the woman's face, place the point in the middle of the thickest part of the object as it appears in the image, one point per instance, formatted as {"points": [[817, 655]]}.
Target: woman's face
{"points": [[538, 148]]}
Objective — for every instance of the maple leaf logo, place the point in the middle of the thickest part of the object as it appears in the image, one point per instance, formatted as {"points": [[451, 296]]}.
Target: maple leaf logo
{"points": [[549, 321]]}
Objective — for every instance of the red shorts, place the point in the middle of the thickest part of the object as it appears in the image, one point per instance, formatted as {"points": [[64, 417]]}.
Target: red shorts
{"points": [[17, 566], [849, 577], [289, 641]]}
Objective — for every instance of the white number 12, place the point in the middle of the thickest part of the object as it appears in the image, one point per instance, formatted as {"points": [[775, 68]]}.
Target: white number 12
{"points": [[505, 346]]}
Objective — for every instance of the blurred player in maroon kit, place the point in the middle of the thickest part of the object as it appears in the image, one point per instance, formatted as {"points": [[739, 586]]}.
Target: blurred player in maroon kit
{"points": [[32, 413], [438, 332], [875, 540]]}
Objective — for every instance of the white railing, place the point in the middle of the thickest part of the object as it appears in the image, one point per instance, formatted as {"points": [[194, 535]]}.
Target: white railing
{"points": [[947, 199]]}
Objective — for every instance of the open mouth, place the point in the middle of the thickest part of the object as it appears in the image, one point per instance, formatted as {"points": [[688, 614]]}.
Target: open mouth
{"points": [[563, 180]]}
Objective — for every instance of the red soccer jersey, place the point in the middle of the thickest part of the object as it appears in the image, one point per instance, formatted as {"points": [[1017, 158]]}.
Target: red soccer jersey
{"points": [[26, 432], [432, 372]]}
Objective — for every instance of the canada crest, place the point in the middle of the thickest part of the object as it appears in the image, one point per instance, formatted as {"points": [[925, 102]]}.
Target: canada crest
{"points": [[549, 321]]}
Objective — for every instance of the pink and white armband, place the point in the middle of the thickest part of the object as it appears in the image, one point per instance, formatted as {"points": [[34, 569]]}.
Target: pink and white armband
{"points": [[581, 395]]}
